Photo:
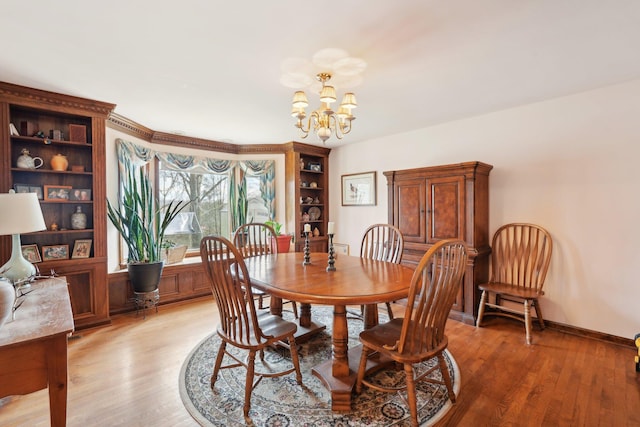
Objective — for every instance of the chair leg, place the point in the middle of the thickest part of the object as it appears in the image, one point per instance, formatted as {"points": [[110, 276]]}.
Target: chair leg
{"points": [[293, 348], [444, 371], [361, 368], [536, 305], [216, 367], [248, 384], [294, 307], [389, 311], [527, 321], [412, 400], [483, 301]]}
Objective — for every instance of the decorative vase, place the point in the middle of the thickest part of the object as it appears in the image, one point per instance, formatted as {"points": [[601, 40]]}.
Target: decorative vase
{"points": [[7, 299], [59, 162], [79, 219]]}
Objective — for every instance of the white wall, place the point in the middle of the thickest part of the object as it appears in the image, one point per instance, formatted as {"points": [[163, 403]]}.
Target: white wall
{"points": [[568, 164]]}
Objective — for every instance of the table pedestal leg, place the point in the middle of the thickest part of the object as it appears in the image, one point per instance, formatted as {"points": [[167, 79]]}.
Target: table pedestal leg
{"points": [[275, 306], [370, 316], [339, 373]]}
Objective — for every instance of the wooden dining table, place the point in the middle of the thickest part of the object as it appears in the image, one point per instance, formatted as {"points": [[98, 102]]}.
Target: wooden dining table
{"points": [[356, 281]]}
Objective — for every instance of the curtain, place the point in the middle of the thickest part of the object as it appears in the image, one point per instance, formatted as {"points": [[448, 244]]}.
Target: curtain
{"points": [[265, 169]]}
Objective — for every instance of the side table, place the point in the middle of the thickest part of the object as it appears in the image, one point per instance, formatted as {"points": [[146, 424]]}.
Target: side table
{"points": [[33, 347]]}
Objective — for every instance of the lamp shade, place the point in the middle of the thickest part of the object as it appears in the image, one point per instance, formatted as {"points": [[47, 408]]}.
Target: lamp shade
{"points": [[300, 100], [20, 213], [328, 94], [349, 100]]}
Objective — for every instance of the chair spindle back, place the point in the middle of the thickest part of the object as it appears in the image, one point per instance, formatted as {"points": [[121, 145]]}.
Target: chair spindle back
{"points": [[434, 286]]}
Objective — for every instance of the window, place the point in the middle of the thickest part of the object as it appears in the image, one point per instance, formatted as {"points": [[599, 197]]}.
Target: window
{"points": [[223, 193], [207, 214], [257, 209]]}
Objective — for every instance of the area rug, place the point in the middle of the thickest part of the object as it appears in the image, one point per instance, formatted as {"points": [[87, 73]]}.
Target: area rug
{"points": [[282, 402]]}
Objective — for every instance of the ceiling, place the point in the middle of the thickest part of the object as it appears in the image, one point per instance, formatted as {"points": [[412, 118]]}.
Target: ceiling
{"points": [[211, 69]]}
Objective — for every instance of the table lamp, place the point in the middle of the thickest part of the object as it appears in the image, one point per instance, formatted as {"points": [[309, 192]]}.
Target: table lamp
{"points": [[19, 213]]}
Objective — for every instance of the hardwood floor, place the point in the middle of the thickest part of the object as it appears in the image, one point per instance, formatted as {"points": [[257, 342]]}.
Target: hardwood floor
{"points": [[126, 374]]}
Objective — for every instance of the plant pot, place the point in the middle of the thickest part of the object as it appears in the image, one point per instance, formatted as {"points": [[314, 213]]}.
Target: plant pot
{"points": [[282, 243], [145, 276]]}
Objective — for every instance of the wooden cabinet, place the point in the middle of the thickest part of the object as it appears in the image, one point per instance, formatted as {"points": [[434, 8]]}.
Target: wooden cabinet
{"points": [[307, 193], [47, 124], [441, 202]]}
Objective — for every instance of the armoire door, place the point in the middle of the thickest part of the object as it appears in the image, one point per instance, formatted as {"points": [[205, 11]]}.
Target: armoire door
{"points": [[445, 212], [410, 205]]}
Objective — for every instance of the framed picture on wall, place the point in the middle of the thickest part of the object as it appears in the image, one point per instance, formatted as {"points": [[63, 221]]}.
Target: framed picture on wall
{"points": [[359, 189]]}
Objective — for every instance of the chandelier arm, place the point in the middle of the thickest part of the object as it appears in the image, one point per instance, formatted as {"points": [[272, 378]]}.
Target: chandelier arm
{"points": [[346, 127]]}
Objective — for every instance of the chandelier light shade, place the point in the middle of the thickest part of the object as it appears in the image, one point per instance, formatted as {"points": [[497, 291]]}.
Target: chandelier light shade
{"points": [[330, 65], [19, 213]]}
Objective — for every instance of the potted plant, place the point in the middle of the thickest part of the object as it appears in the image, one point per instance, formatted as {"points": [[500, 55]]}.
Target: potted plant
{"points": [[142, 224], [281, 241]]}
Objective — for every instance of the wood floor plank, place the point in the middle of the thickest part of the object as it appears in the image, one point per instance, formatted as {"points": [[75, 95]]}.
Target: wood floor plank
{"points": [[126, 374]]}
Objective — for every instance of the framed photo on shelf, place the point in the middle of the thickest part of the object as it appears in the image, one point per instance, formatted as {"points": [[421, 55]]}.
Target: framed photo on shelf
{"points": [[81, 248], [26, 188], [31, 253], [80, 194], [55, 252], [36, 189], [57, 192], [21, 188], [315, 166], [359, 189]]}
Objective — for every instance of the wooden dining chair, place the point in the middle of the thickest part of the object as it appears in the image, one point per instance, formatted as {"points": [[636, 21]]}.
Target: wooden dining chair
{"points": [[382, 242], [419, 335], [254, 239], [240, 324], [520, 257]]}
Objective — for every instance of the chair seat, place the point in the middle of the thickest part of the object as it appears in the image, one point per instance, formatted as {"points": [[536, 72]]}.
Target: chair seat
{"points": [[383, 337], [275, 326], [512, 290]]}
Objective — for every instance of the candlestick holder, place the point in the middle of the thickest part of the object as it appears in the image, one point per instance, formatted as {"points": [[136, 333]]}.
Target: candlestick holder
{"points": [[307, 256], [332, 258]]}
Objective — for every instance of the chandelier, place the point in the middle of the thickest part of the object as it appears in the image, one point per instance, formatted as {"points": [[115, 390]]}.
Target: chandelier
{"points": [[326, 64], [324, 121]]}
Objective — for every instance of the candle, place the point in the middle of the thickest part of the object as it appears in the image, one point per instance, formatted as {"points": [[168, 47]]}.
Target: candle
{"points": [[307, 228], [330, 228]]}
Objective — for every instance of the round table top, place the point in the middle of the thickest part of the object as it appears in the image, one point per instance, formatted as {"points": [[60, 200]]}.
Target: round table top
{"points": [[355, 280]]}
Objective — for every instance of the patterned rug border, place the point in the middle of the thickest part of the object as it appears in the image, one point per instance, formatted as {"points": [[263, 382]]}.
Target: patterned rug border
{"points": [[331, 419]]}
